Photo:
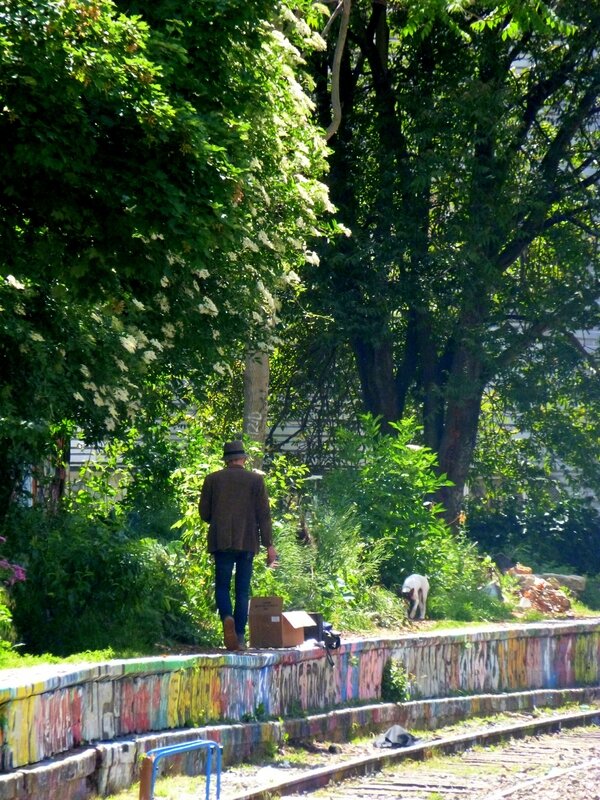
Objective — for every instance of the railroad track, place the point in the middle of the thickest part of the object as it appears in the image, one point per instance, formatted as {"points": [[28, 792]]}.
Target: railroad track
{"points": [[550, 758], [561, 765]]}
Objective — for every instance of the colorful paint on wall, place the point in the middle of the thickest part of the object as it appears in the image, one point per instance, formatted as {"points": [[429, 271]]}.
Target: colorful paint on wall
{"points": [[47, 716]]}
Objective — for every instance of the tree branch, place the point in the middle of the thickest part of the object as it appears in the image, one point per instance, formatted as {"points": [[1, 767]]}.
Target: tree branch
{"points": [[336, 13], [578, 346], [335, 69], [519, 344], [557, 218], [533, 221], [526, 338]]}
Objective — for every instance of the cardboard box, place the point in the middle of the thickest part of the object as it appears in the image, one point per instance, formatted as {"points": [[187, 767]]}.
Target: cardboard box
{"points": [[271, 626]]}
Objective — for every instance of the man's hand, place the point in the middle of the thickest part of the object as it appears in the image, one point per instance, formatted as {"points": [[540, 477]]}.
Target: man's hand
{"points": [[271, 556]]}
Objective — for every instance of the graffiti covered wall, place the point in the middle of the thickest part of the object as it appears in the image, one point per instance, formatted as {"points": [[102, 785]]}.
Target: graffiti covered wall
{"points": [[45, 713]]}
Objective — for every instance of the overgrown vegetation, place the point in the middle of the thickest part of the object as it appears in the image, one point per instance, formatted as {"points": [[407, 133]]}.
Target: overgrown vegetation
{"points": [[105, 569], [396, 682], [524, 503], [159, 221], [389, 481]]}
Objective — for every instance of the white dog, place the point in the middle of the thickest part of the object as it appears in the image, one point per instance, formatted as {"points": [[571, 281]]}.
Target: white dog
{"points": [[415, 589]]}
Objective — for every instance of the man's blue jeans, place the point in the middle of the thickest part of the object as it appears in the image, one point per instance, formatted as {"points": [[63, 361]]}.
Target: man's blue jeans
{"points": [[225, 561]]}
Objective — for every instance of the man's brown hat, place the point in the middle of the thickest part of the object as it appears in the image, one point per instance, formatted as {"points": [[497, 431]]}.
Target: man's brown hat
{"points": [[233, 450]]}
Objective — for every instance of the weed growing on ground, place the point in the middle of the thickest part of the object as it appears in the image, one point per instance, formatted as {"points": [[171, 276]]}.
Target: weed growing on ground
{"points": [[396, 682]]}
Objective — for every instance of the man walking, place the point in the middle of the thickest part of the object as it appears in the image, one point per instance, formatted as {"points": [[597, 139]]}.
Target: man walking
{"points": [[235, 504]]}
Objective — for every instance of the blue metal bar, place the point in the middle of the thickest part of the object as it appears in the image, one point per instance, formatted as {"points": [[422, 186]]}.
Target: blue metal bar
{"points": [[201, 744]]}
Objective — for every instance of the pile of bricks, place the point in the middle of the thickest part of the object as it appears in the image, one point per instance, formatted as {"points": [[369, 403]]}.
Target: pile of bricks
{"points": [[538, 593]]}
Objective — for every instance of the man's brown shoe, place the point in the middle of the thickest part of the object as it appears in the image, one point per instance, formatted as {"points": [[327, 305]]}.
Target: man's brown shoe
{"points": [[229, 635]]}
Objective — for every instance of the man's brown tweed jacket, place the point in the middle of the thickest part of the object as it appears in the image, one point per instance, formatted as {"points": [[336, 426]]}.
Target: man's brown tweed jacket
{"points": [[235, 504]]}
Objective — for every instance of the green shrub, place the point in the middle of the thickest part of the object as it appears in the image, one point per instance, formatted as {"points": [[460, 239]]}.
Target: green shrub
{"points": [[90, 586], [108, 569], [521, 505], [396, 682], [11, 574], [466, 605], [560, 534], [195, 575], [335, 574], [7, 630], [591, 595], [389, 481]]}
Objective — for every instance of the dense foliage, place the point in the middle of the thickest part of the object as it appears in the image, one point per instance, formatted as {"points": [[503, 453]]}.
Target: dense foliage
{"points": [[526, 505], [389, 481], [159, 184], [160, 196], [466, 167], [125, 555]]}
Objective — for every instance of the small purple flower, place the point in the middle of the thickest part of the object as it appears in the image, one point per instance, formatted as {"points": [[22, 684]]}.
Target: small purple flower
{"points": [[19, 572], [16, 572]]}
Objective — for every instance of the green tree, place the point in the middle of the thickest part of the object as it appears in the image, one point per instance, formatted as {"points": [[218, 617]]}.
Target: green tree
{"points": [[534, 477], [160, 180], [466, 166]]}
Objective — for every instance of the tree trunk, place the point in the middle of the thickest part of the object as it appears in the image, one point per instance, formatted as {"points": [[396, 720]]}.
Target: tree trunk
{"points": [[375, 363], [10, 478], [60, 477], [463, 406], [256, 391]]}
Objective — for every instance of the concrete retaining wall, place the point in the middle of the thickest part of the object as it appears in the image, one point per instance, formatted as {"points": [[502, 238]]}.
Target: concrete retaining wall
{"points": [[52, 711]]}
